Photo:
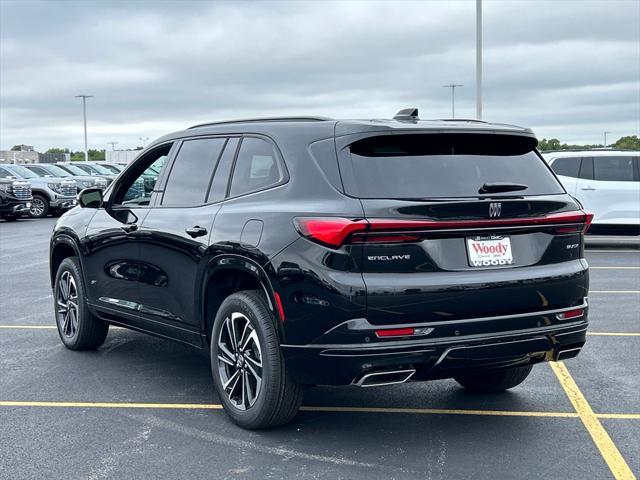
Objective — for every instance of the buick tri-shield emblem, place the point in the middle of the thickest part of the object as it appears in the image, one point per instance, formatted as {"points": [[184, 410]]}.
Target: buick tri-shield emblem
{"points": [[495, 209]]}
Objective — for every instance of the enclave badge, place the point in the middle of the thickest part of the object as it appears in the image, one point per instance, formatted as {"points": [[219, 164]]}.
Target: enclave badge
{"points": [[495, 209]]}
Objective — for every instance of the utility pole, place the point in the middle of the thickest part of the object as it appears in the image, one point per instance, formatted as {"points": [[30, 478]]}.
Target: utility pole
{"points": [[453, 87], [144, 141], [605, 139], [113, 145], [478, 59], [84, 116]]}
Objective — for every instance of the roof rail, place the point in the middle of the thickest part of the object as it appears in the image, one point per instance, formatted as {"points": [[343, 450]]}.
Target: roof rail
{"points": [[463, 120], [261, 120]]}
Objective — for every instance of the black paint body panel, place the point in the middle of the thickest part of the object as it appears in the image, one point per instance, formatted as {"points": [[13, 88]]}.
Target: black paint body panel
{"points": [[154, 278]]}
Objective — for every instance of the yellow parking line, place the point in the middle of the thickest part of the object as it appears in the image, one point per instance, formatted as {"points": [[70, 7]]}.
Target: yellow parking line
{"points": [[613, 334], [599, 435], [622, 416], [440, 411], [214, 406]]}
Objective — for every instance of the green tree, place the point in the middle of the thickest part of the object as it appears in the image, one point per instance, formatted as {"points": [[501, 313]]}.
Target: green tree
{"points": [[16, 148], [94, 156], [631, 142], [57, 150], [545, 145]]}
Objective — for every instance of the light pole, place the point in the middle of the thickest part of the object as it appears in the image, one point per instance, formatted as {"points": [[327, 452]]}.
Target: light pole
{"points": [[605, 139], [113, 145], [84, 115], [453, 87], [144, 141], [478, 59]]}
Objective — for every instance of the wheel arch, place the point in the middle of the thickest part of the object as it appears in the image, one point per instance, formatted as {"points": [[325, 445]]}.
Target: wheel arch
{"points": [[230, 273], [62, 246]]}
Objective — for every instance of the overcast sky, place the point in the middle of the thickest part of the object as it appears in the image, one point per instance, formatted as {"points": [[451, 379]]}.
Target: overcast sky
{"points": [[568, 69]]}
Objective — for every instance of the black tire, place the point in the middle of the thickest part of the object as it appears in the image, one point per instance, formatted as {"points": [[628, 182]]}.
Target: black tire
{"points": [[87, 332], [278, 398], [494, 380], [39, 206]]}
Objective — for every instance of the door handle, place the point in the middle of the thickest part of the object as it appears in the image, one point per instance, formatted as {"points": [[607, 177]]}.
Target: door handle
{"points": [[587, 188], [196, 231], [129, 227]]}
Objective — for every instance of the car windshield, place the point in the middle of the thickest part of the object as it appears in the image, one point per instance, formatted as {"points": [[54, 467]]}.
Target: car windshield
{"points": [[21, 171], [88, 169], [56, 171], [100, 169], [110, 168], [72, 169]]}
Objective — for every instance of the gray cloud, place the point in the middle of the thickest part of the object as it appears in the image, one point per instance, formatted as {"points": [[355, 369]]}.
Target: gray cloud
{"points": [[565, 68]]}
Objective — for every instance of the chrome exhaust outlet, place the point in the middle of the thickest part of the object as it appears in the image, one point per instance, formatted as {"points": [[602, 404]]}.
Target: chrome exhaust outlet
{"points": [[568, 353], [389, 377]]}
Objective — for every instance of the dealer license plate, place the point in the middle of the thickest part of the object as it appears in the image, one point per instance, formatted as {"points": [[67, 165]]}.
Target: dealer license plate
{"points": [[489, 251]]}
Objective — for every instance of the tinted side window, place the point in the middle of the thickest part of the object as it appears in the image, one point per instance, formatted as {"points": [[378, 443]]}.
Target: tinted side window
{"points": [[191, 172], [586, 169], [220, 181], [617, 169], [136, 188], [5, 174], [567, 167], [256, 167]]}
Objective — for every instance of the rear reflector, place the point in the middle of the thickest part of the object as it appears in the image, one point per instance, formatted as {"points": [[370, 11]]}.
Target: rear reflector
{"points": [[577, 313], [394, 332], [334, 231], [279, 306]]}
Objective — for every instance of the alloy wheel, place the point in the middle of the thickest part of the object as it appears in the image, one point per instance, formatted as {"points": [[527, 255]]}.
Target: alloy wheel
{"points": [[67, 305], [37, 207], [239, 361]]}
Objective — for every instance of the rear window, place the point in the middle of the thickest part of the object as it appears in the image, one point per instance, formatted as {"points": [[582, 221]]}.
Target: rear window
{"points": [[444, 165]]}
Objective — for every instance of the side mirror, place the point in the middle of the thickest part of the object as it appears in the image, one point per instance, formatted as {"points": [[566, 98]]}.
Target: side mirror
{"points": [[90, 198]]}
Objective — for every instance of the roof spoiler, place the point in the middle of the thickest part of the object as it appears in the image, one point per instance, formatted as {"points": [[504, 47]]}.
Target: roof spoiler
{"points": [[407, 115]]}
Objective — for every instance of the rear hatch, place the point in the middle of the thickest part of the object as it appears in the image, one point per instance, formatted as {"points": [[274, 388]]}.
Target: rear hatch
{"points": [[461, 226]]}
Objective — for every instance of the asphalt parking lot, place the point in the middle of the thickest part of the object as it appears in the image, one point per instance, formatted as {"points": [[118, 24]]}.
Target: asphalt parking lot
{"points": [[142, 407]]}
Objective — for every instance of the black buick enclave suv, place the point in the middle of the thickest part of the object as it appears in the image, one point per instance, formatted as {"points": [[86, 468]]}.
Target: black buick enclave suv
{"points": [[306, 251]]}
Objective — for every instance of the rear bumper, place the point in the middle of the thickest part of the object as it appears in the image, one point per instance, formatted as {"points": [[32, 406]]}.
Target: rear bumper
{"points": [[443, 357]]}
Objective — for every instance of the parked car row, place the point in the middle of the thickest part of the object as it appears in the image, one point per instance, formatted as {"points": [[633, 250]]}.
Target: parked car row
{"points": [[42, 189]]}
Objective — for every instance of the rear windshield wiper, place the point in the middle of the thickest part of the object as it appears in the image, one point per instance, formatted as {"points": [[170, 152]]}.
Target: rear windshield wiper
{"points": [[497, 187]]}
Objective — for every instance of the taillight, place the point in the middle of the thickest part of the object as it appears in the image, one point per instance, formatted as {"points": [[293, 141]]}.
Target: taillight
{"points": [[335, 231], [329, 231], [588, 218]]}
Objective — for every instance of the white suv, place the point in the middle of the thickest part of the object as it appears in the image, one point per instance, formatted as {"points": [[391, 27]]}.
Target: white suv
{"points": [[606, 182]]}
